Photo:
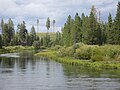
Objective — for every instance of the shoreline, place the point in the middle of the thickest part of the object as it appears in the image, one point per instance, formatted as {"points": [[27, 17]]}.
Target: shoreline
{"points": [[12, 49], [51, 54]]}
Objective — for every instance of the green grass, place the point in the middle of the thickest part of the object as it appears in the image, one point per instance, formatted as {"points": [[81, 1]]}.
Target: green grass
{"points": [[51, 54], [52, 35]]}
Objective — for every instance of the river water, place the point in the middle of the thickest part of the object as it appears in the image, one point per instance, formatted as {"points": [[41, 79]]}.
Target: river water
{"points": [[22, 71]]}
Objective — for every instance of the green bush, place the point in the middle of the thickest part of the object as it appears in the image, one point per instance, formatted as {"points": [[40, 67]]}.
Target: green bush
{"points": [[36, 45], [77, 45], [83, 53], [42, 47], [106, 53], [56, 47], [95, 58], [62, 52]]}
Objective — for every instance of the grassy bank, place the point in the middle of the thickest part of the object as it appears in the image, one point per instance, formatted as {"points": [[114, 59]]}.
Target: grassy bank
{"points": [[10, 49], [93, 56]]}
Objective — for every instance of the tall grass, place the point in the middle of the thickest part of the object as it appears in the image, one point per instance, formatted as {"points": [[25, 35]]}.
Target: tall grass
{"points": [[10, 49], [95, 53], [82, 63]]}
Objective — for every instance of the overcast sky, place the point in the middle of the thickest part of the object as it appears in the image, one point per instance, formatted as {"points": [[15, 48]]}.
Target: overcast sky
{"points": [[31, 10]]}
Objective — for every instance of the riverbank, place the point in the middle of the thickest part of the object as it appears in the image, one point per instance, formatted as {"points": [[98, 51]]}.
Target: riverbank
{"points": [[96, 61], [10, 49]]}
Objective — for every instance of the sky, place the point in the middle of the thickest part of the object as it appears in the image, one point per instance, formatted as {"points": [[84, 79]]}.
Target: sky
{"points": [[58, 10]]}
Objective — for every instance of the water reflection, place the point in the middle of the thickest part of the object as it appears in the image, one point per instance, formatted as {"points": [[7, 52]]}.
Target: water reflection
{"points": [[91, 79], [27, 72]]}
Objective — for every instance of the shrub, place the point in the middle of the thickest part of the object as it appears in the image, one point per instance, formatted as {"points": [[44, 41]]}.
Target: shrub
{"points": [[77, 45], [95, 58], [42, 47], [83, 53], [62, 52], [57, 47], [36, 45]]}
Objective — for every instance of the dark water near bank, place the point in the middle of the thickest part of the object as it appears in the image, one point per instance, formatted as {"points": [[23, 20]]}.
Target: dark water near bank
{"points": [[25, 72]]}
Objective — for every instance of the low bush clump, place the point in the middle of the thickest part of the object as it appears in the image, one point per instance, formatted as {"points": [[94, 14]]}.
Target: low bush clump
{"points": [[36, 45], [57, 47], [83, 53]]}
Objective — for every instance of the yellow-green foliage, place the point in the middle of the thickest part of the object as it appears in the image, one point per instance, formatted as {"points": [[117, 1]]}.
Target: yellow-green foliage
{"points": [[98, 53], [91, 56], [84, 63], [16, 48], [106, 53], [57, 47], [83, 52]]}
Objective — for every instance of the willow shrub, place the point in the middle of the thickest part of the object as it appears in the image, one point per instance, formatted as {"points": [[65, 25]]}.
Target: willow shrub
{"points": [[94, 53], [56, 47], [84, 53]]}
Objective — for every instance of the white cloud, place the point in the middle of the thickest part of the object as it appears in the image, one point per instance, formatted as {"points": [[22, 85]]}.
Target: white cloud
{"points": [[31, 10]]}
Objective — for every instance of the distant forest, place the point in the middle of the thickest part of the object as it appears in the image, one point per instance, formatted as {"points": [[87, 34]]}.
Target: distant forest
{"points": [[85, 29]]}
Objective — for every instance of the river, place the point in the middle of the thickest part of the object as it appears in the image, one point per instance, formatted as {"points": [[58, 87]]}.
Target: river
{"points": [[23, 71]]}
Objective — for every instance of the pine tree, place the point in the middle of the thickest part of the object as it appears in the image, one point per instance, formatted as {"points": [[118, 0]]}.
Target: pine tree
{"points": [[15, 40], [92, 29], [5, 34], [117, 25], [0, 41], [2, 22], [104, 32], [11, 30], [78, 28], [73, 33], [58, 38], [99, 34], [85, 30], [48, 24], [23, 33], [110, 31], [67, 31], [46, 40], [32, 35], [53, 25]]}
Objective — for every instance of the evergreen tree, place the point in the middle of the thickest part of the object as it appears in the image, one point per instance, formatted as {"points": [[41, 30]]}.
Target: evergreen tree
{"points": [[110, 31], [23, 33], [92, 33], [48, 24], [15, 40], [41, 41], [85, 29], [32, 35], [73, 33], [104, 32], [117, 25], [2, 22], [11, 30], [53, 25], [58, 38], [0, 41], [99, 34], [67, 31], [78, 29], [46, 40], [5, 34]]}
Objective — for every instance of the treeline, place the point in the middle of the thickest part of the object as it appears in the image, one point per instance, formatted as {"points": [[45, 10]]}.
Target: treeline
{"points": [[89, 30], [85, 29], [11, 37]]}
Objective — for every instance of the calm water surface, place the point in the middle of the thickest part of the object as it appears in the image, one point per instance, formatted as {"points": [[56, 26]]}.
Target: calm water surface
{"points": [[22, 71]]}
